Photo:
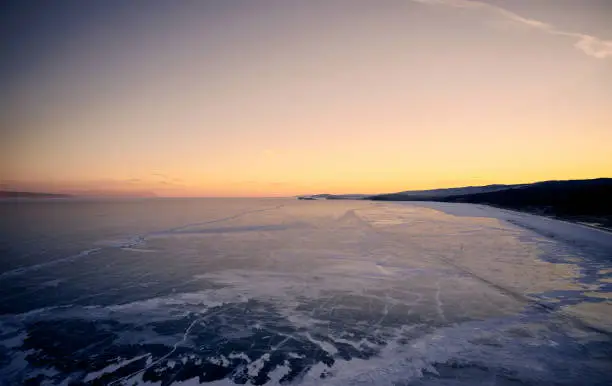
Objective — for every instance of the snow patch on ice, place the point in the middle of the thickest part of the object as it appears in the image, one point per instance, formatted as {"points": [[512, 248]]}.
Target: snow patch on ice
{"points": [[113, 367]]}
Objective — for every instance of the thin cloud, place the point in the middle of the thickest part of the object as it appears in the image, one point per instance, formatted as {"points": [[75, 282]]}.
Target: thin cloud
{"points": [[165, 179], [593, 46], [588, 44]]}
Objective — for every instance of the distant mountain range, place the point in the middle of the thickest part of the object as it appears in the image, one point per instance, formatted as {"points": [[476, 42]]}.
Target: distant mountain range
{"points": [[326, 196], [587, 201], [451, 191], [86, 193], [13, 194]]}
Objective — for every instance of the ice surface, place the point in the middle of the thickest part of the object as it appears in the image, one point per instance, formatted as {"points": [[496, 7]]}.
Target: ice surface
{"points": [[316, 292]]}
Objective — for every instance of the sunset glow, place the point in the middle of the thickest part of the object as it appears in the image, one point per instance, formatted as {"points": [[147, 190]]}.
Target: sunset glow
{"points": [[276, 98]]}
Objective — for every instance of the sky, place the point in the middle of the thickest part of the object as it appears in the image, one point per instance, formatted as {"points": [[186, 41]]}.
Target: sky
{"points": [[275, 98]]}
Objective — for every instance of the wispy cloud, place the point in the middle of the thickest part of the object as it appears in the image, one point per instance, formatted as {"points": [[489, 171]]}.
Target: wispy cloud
{"points": [[165, 179], [588, 44]]}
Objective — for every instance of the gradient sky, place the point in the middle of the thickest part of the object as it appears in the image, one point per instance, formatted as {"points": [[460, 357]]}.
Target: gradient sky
{"points": [[238, 98]]}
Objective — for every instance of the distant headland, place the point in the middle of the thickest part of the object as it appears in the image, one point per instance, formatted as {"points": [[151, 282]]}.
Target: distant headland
{"points": [[80, 194], [16, 194], [585, 201]]}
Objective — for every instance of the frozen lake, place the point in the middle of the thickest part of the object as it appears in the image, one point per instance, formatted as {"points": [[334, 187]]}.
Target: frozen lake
{"points": [[281, 291]]}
